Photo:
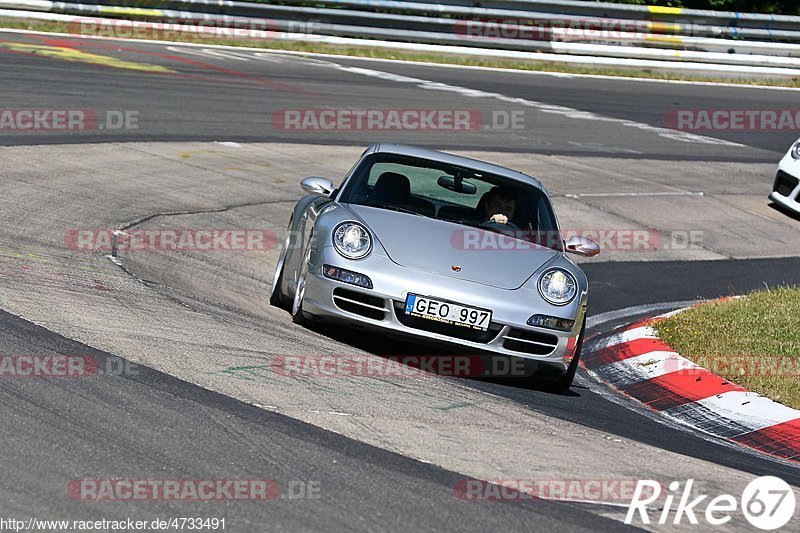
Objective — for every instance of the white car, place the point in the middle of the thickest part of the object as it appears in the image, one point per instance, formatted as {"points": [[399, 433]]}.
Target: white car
{"points": [[786, 190]]}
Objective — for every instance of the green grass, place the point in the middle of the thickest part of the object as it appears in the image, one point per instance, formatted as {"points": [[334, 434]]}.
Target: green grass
{"points": [[445, 58], [752, 341]]}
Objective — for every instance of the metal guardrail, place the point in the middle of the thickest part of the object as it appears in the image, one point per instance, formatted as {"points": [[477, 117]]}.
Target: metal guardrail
{"points": [[755, 40], [634, 11], [734, 21], [654, 20]]}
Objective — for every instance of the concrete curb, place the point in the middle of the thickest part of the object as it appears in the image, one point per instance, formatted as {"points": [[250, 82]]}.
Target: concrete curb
{"points": [[635, 362]]}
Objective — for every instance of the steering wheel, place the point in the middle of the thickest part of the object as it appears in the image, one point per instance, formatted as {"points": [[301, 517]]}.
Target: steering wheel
{"points": [[496, 226]]}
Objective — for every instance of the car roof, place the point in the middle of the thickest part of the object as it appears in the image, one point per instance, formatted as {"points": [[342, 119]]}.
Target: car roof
{"points": [[444, 157]]}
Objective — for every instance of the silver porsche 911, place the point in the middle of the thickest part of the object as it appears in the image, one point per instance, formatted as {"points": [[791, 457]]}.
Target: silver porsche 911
{"points": [[441, 248]]}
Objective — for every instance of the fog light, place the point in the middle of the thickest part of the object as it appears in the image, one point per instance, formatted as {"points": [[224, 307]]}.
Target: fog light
{"points": [[551, 322], [347, 276]]}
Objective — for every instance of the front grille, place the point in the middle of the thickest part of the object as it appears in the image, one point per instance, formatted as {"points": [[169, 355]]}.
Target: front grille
{"points": [[458, 332], [359, 303], [532, 342], [784, 183]]}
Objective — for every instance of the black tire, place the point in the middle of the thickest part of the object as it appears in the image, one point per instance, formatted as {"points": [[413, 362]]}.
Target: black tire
{"points": [[276, 295], [276, 298], [299, 292], [563, 384], [297, 314]]}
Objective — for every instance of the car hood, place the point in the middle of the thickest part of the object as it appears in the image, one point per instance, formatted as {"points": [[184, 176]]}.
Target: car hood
{"points": [[454, 250]]}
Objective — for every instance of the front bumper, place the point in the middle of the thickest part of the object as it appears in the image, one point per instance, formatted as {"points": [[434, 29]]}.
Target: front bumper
{"points": [[381, 308], [786, 189]]}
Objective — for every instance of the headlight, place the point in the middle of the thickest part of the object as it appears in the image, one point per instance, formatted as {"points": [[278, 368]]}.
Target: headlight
{"points": [[352, 240], [796, 150], [558, 286]]}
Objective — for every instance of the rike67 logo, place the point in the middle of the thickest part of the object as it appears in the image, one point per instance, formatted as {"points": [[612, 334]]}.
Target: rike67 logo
{"points": [[767, 503]]}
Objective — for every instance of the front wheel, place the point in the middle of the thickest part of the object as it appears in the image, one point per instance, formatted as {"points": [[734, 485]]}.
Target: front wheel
{"points": [[563, 383], [297, 304], [275, 296], [300, 289], [276, 291]]}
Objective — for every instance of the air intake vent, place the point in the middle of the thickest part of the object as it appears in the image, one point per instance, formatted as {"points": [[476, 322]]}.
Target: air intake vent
{"points": [[532, 342], [784, 183], [359, 303]]}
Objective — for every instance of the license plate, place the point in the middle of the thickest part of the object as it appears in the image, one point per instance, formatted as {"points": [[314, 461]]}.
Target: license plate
{"points": [[448, 312]]}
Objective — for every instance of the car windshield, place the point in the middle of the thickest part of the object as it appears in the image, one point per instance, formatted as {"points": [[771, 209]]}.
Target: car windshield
{"points": [[455, 194]]}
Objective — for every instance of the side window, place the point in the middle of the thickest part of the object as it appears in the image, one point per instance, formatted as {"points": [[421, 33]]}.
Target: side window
{"points": [[534, 213]]}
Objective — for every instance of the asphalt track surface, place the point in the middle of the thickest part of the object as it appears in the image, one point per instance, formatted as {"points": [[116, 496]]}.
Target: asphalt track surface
{"points": [[328, 482], [58, 431], [207, 97]]}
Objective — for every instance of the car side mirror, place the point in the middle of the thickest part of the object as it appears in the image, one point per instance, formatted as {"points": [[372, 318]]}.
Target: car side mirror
{"points": [[581, 246], [318, 186]]}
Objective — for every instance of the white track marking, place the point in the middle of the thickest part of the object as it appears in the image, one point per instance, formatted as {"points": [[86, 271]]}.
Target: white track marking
{"points": [[238, 56], [642, 332], [271, 57], [246, 55], [475, 93], [564, 111], [185, 50], [700, 419], [747, 410], [327, 57], [229, 144], [674, 423], [609, 316], [673, 313], [216, 54], [603, 147], [632, 194], [643, 367]]}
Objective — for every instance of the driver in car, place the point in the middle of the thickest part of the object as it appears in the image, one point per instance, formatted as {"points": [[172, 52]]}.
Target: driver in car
{"points": [[497, 205]]}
